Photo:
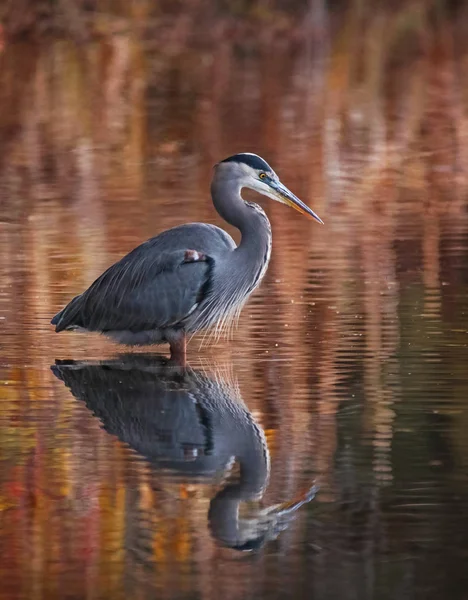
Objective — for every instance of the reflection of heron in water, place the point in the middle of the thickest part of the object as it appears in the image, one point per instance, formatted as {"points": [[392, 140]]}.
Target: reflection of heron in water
{"points": [[184, 421]]}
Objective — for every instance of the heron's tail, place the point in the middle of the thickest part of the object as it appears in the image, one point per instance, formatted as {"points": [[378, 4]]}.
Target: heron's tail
{"points": [[67, 318]]}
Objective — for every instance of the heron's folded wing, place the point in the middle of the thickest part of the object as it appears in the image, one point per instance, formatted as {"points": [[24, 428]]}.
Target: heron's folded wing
{"points": [[144, 290]]}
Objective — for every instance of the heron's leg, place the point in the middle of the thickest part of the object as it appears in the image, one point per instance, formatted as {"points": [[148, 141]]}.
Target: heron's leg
{"points": [[178, 345]]}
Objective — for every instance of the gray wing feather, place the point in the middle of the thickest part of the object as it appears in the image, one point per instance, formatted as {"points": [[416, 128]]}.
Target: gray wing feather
{"points": [[152, 286], [146, 289]]}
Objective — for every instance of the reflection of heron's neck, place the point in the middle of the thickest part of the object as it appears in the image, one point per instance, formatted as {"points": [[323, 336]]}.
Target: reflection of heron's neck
{"points": [[224, 508]]}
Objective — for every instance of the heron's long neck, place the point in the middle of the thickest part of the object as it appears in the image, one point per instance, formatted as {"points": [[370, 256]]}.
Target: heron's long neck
{"points": [[254, 226]]}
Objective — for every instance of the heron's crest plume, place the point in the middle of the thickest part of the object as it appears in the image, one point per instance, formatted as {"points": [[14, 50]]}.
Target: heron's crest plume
{"points": [[251, 160]]}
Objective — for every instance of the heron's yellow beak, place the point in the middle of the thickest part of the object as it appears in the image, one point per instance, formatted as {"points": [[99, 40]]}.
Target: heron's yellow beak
{"points": [[284, 195]]}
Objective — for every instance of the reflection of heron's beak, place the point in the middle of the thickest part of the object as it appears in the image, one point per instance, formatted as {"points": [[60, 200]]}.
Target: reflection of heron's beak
{"points": [[290, 507], [284, 195]]}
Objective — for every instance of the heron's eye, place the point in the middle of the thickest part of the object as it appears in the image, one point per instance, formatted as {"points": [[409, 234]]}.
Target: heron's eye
{"points": [[262, 175]]}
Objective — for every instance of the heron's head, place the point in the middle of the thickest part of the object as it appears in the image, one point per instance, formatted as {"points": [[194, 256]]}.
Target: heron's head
{"points": [[251, 171]]}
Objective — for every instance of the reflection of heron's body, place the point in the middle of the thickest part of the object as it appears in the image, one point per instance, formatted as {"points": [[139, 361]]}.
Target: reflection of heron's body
{"points": [[190, 277], [191, 424]]}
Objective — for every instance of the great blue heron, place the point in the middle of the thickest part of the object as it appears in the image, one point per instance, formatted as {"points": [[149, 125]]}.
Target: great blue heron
{"points": [[192, 276], [193, 428]]}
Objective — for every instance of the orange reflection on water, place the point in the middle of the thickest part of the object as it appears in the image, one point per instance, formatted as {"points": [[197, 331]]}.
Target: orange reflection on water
{"points": [[351, 357]]}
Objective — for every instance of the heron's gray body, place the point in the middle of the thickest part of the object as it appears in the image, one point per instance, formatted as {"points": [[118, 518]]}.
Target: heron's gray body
{"points": [[190, 277], [152, 292]]}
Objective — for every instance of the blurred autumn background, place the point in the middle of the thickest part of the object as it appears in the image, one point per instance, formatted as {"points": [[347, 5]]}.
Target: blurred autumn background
{"points": [[352, 355]]}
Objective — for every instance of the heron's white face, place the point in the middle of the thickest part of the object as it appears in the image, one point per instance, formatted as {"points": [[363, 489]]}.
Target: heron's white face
{"points": [[259, 181], [267, 183]]}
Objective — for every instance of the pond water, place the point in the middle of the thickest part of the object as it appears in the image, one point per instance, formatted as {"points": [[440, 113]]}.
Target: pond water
{"points": [[320, 453]]}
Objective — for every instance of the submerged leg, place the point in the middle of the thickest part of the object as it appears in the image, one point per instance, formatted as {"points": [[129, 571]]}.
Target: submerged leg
{"points": [[178, 345]]}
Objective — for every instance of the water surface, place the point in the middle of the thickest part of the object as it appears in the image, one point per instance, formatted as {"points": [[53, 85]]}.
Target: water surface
{"points": [[120, 476]]}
